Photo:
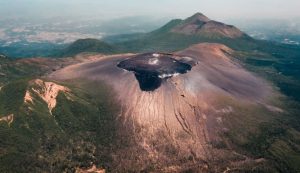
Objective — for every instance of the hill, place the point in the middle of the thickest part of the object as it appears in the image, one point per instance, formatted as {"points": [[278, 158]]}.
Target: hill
{"points": [[48, 127], [87, 45]]}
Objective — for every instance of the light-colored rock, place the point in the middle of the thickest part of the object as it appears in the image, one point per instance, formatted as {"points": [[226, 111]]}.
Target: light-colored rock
{"points": [[93, 169], [48, 91], [9, 119]]}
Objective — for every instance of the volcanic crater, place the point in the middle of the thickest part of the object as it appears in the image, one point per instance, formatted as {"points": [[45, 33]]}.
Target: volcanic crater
{"points": [[151, 69]]}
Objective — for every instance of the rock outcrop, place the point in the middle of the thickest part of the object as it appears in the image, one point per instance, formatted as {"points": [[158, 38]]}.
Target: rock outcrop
{"points": [[47, 91], [9, 119]]}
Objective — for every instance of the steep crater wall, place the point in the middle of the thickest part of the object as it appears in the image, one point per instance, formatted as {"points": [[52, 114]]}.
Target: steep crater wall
{"points": [[151, 69]]}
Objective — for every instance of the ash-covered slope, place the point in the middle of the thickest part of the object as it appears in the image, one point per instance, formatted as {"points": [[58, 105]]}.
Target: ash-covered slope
{"points": [[189, 121], [208, 67]]}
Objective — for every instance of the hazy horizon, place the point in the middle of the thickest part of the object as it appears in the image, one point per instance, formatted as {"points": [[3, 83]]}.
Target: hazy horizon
{"points": [[219, 10], [26, 22]]}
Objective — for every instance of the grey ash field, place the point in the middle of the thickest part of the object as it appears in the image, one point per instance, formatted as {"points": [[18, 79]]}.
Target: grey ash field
{"points": [[217, 101]]}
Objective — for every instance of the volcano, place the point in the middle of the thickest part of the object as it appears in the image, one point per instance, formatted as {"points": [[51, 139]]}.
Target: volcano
{"points": [[176, 106]]}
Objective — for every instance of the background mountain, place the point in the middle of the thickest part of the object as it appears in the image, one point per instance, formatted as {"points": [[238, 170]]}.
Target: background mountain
{"points": [[175, 35], [198, 24]]}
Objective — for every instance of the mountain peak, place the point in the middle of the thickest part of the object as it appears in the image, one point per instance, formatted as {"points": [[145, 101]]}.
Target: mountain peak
{"points": [[199, 24], [198, 17]]}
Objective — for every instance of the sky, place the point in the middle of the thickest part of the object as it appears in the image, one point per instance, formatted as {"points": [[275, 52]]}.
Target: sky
{"points": [[107, 9]]}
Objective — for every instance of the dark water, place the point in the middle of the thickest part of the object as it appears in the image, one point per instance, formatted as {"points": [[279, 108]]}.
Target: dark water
{"points": [[150, 76]]}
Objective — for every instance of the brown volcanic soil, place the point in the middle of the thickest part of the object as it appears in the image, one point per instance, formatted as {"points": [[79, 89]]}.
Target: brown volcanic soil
{"points": [[180, 125]]}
